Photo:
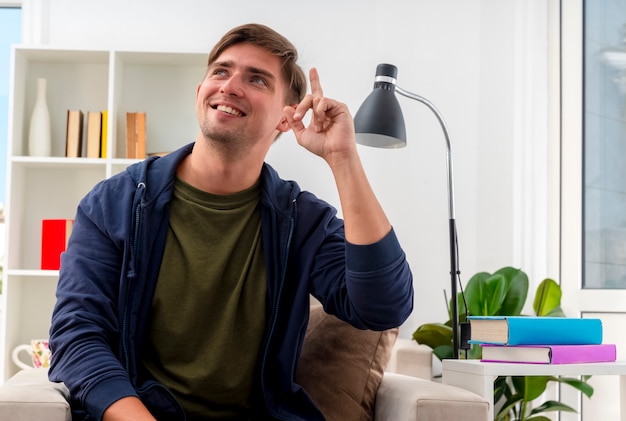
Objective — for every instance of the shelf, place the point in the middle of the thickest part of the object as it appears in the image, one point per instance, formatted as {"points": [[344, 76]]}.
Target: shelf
{"points": [[162, 84], [62, 56], [56, 162], [85, 72], [33, 273]]}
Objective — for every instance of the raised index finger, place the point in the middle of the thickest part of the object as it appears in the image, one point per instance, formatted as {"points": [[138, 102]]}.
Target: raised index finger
{"points": [[316, 87]]}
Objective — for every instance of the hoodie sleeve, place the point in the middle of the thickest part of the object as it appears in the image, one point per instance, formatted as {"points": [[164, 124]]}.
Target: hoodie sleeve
{"points": [[85, 329], [369, 286], [378, 279]]}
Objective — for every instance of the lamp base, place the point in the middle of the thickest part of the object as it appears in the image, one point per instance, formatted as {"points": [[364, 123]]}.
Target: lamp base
{"points": [[466, 334]]}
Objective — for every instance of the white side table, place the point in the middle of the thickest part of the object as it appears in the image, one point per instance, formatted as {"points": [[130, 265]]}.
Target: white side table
{"points": [[478, 377]]}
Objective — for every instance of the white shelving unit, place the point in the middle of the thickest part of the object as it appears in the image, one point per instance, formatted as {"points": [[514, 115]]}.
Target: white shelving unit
{"points": [[478, 377], [159, 83]]}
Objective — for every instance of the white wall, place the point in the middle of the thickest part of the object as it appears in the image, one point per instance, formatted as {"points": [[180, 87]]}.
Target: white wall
{"points": [[479, 61]]}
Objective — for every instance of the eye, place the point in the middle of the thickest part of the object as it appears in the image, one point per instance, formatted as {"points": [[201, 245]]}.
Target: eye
{"points": [[258, 80], [220, 72]]}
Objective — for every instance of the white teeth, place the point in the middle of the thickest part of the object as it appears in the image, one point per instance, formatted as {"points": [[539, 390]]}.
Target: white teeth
{"points": [[228, 110]]}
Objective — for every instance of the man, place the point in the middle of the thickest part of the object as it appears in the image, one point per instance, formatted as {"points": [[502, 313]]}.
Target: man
{"points": [[184, 291]]}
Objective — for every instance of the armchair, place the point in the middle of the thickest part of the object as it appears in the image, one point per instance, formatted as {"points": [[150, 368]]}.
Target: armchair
{"points": [[341, 367]]}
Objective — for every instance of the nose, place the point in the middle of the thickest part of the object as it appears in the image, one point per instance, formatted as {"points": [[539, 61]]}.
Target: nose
{"points": [[232, 86]]}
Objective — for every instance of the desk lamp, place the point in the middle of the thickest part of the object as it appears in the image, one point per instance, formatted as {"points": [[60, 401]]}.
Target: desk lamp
{"points": [[379, 123]]}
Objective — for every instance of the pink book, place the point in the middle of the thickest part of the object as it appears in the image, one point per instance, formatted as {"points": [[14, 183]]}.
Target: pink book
{"points": [[549, 354]]}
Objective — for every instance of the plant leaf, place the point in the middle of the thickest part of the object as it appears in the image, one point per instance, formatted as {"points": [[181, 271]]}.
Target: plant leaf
{"points": [[547, 297], [509, 405], [552, 406], [474, 293], [516, 291], [500, 388], [580, 385], [475, 352], [494, 294], [531, 387], [556, 312], [443, 352], [433, 335]]}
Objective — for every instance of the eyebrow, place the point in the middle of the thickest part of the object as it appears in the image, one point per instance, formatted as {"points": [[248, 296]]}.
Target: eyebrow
{"points": [[250, 69]]}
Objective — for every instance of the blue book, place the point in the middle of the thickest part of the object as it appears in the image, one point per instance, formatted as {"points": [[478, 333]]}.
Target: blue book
{"points": [[533, 330]]}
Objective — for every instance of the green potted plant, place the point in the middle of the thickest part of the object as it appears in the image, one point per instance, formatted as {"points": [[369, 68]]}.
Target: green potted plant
{"points": [[504, 293]]}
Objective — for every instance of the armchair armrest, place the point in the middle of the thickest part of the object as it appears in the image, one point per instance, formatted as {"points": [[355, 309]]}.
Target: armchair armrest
{"points": [[408, 398], [412, 359], [29, 395]]}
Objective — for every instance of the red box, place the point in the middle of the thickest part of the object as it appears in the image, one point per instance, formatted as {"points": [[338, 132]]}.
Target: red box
{"points": [[54, 236]]}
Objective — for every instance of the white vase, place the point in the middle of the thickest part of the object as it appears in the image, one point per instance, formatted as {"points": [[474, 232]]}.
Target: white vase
{"points": [[39, 143]]}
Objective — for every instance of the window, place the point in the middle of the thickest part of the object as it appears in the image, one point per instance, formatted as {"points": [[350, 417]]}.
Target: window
{"points": [[10, 33], [604, 144]]}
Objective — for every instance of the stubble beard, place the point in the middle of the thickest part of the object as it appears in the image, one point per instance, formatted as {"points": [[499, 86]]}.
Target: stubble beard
{"points": [[230, 144]]}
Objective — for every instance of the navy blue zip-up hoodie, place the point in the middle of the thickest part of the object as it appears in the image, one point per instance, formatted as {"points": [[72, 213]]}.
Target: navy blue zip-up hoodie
{"points": [[110, 269]]}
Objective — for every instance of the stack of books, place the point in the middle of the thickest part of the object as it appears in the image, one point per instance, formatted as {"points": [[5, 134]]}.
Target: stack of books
{"points": [[86, 134], [540, 340]]}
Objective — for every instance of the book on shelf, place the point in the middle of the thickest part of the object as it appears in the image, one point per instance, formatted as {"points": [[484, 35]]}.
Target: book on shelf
{"points": [[549, 354], [140, 122], [131, 135], [54, 236], [94, 133], [104, 134], [535, 330], [74, 134], [136, 135]]}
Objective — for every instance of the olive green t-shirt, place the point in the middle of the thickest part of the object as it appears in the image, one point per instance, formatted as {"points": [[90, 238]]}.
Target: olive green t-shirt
{"points": [[208, 311]]}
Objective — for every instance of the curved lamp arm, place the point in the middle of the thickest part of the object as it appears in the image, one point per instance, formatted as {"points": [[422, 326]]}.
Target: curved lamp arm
{"points": [[448, 144], [454, 271], [379, 123]]}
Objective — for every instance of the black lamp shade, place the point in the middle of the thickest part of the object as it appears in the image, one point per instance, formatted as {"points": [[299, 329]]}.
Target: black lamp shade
{"points": [[379, 121]]}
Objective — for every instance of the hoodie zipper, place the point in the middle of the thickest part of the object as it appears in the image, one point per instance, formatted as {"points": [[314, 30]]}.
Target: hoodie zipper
{"points": [[283, 275], [130, 277]]}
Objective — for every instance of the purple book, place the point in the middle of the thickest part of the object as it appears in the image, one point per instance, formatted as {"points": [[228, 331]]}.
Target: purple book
{"points": [[549, 354]]}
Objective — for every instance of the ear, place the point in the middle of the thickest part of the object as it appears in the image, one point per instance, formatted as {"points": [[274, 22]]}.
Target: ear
{"points": [[283, 125]]}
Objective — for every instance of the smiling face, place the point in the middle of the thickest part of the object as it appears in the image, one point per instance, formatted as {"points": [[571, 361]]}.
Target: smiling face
{"points": [[240, 102]]}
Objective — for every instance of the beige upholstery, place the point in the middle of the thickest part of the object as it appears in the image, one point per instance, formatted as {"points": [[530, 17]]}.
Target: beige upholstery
{"points": [[341, 367], [412, 359], [402, 396], [29, 396]]}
